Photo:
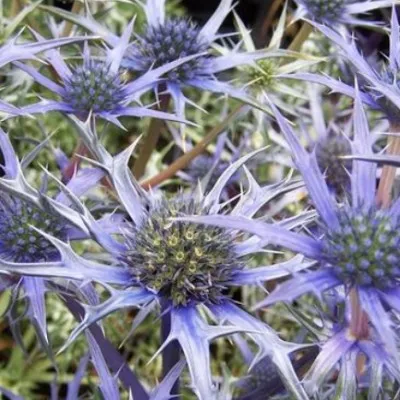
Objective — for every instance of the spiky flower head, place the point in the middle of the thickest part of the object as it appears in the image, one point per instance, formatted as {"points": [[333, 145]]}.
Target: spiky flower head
{"points": [[183, 262], [357, 247], [20, 242], [167, 42], [160, 259], [365, 249], [329, 149], [94, 87]]}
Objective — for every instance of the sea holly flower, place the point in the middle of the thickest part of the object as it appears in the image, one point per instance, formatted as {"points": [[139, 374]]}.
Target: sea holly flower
{"points": [[357, 244], [23, 214], [331, 144], [11, 52], [167, 40], [187, 268], [339, 12], [378, 81], [95, 87]]}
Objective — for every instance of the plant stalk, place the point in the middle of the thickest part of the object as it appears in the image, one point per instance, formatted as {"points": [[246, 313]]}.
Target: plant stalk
{"points": [[151, 139], [301, 37], [359, 319], [183, 161]]}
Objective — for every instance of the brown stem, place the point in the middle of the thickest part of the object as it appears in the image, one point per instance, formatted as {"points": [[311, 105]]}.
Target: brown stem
{"points": [[151, 139], [358, 327], [184, 160], [359, 319], [301, 37], [384, 195]]}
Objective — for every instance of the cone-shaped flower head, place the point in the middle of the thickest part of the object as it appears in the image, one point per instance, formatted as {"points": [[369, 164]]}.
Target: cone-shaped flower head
{"points": [[167, 42], [95, 87], [25, 220], [323, 10], [183, 262], [19, 241], [365, 248]]}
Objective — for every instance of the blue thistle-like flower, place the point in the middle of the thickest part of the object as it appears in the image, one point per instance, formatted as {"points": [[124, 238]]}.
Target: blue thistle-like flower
{"points": [[357, 244], [330, 145], [335, 12], [378, 81], [95, 87], [183, 265], [183, 45], [167, 42], [19, 241], [24, 219], [11, 52]]}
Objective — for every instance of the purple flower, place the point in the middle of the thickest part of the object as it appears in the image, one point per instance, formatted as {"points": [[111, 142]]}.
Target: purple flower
{"points": [[167, 41], [11, 52], [379, 82], [24, 215], [95, 87], [184, 266], [357, 245], [335, 12]]}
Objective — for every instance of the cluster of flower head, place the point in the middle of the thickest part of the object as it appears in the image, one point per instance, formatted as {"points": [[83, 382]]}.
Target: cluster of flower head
{"points": [[200, 258]]}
